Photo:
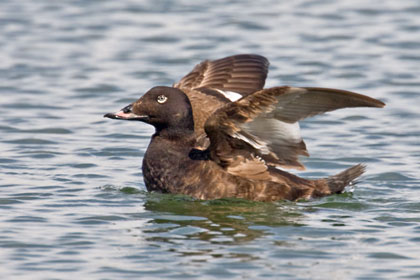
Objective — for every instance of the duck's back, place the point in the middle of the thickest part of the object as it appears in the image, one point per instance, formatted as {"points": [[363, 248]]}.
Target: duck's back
{"points": [[204, 105]]}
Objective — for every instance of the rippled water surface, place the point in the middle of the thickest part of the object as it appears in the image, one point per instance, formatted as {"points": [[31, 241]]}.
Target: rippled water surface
{"points": [[72, 199]]}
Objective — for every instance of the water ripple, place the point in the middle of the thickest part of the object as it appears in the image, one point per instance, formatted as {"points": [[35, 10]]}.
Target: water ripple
{"points": [[71, 192]]}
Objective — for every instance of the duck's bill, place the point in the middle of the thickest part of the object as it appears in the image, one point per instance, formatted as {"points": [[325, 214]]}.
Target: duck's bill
{"points": [[126, 113], [121, 115]]}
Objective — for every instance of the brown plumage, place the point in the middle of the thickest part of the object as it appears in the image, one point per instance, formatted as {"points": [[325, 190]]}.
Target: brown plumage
{"points": [[212, 143], [242, 74], [282, 103]]}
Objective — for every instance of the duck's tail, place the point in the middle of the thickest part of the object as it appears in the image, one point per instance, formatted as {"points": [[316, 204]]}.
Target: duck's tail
{"points": [[338, 182]]}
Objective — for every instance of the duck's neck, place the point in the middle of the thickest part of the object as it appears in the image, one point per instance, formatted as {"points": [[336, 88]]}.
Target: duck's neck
{"points": [[176, 128], [185, 135]]}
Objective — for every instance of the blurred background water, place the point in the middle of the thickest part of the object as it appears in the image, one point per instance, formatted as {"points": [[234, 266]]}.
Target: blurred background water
{"points": [[73, 203]]}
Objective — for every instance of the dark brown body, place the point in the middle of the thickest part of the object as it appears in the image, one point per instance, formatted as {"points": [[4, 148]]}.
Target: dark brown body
{"points": [[168, 167]]}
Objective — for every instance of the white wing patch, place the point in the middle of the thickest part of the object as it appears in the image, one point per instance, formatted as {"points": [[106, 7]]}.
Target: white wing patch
{"points": [[274, 131], [257, 144], [231, 95], [269, 131]]}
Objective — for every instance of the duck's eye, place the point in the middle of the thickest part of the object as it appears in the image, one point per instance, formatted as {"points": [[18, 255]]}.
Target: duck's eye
{"points": [[161, 99]]}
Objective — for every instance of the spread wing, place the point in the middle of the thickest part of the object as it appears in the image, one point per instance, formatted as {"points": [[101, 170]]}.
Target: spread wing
{"points": [[299, 103], [241, 74], [262, 128]]}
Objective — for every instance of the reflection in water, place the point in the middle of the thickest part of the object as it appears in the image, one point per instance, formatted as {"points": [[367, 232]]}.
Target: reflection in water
{"points": [[227, 221]]}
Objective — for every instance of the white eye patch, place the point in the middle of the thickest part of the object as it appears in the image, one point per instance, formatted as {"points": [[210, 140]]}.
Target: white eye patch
{"points": [[161, 99]]}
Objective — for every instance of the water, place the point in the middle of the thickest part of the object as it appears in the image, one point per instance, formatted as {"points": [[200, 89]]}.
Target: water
{"points": [[72, 200]]}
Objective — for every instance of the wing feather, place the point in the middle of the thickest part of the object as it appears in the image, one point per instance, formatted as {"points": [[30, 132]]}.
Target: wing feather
{"points": [[244, 74], [299, 103], [265, 124]]}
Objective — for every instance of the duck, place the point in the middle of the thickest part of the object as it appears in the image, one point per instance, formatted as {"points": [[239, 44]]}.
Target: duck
{"points": [[220, 134]]}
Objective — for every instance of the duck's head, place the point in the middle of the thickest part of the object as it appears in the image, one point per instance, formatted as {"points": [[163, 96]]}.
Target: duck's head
{"points": [[162, 107]]}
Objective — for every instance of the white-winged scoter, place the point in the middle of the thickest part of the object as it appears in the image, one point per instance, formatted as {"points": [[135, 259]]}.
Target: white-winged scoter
{"points": [[220, 134]]}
